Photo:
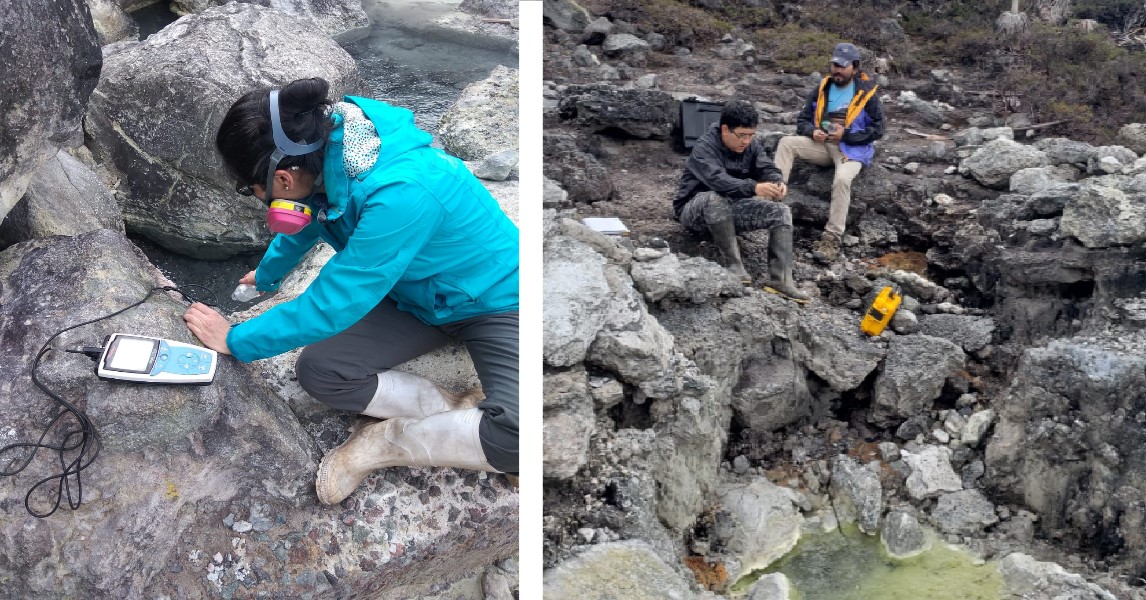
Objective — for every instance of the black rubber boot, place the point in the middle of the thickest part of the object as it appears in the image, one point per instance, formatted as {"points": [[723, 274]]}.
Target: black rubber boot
{"points": [[724, 233], [780, 258]]}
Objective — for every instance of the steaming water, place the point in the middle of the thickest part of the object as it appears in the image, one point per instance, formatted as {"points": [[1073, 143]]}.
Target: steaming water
{"points": [[404, 60], [852, 566]]}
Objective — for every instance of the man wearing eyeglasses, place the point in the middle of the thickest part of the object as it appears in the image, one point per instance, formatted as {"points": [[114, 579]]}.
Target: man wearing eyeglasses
{"points": [[730, 186]]}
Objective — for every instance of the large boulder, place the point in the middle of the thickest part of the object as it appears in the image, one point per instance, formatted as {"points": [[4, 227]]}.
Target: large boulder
{"points": [[857, 495], [1101, 217], [64, 198], [912, 376], [334, 17], [190, 473], [630, 569], [583, 176], [1064, 151], [1133, 136], [996, 161], [152, 120], [566, 15], [639, 113], [1026, 577], [53, 63], [576, 296], [759, 523], [1069, 442], [483, 121], [569, 423]]}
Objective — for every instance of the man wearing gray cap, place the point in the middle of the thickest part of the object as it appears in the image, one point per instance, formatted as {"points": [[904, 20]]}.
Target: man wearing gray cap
{"points": [[840, 122]]}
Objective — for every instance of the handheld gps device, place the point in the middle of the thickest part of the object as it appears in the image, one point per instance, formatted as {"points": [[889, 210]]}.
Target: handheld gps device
{"points": [[144, 359]]}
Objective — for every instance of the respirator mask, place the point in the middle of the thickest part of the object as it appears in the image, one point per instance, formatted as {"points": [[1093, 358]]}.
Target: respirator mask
{"points": [[288, 216]]}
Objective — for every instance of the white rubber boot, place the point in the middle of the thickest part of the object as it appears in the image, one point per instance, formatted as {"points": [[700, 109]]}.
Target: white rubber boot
{"points": [[404, 395], [445, 439]]}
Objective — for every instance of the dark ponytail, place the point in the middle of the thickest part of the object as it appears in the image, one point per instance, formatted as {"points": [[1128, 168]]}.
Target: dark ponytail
{"points": [[245, 140]]}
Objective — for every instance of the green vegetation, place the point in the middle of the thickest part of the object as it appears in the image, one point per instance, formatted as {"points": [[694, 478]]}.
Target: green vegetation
{"points": [[1059, 73]]}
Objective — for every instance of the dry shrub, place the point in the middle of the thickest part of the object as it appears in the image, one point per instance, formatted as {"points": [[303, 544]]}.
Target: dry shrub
{"points": [[679, 22]]}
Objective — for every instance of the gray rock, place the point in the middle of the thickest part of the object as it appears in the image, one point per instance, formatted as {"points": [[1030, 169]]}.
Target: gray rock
{"points": [[876, 230], [1026, 577], [566, 15], [1036, 179], [914, 426], [904, 322], [773, 586], [889, 451], [583, 57], [1050, 200], [1121, 154], [971, 333], [931, 472], [971, 474], [1107, 165], [857, 496], [494, 9], [64, 197], [657, 42], [1063, 151], [760, 524], [1050, 462], [45, 90], [632, 343], [912, 376], [1133, 136], [772, 393], [575, 297], [903, 537], [966, 512], [836, 351], [1102, 217], [630, 569], [112, 23], [569, 423], [482, 121], [151, 122], [498, 166], [626, 47], [606, 392], [579, 172], [640, 113], [190, 446], [553, 195], [995, 162], [976, 427], [648, 81], [693, 279], [975, 136], [334, 17], [596, 31], [498, 584], [929, 112]]}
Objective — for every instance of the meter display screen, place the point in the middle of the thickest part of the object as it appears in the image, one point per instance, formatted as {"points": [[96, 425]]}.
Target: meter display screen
{"points": [[131, 354]]}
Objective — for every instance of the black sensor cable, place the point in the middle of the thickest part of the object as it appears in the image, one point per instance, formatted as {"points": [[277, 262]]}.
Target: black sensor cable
{"points": [[79, 446]]}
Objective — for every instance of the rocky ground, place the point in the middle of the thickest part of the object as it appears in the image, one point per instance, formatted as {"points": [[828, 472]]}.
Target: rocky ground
{"points": [[667, 401]]}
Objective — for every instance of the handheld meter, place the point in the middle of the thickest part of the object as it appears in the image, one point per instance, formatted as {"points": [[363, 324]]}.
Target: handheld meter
{"points": [[144, 359]]}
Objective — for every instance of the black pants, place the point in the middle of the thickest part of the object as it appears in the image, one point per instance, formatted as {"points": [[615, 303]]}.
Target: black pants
{"points": [[749, 214], [341, 370]]}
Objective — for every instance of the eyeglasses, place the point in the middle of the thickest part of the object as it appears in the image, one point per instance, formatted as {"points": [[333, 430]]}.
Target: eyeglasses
{"points": [[744, 137], [244, 190]]}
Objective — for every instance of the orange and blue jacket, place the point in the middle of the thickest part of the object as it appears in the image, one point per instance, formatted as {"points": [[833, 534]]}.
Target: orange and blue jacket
{"points": [[863, 123]]}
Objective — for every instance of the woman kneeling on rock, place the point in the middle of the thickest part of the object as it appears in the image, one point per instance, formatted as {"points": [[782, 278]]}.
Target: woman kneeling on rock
{"points": [[424, 255]]}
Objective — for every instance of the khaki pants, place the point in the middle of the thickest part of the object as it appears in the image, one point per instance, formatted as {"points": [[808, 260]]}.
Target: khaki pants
{"points": [[798, 146]]}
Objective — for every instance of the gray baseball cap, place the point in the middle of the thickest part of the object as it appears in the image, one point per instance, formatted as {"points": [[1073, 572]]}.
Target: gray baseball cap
{"points": [[845, 54]]}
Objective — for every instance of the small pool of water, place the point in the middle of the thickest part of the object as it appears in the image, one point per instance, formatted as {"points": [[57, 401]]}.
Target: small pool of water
{"points": [[853, 566], [411, 64]]}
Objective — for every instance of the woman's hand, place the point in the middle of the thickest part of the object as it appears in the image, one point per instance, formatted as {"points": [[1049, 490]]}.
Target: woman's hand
{"points": [[209, 326], [248, 279]]}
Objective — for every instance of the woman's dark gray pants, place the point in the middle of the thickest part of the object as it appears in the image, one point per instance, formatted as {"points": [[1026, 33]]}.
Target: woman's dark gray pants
{"points": [[341, 371]]}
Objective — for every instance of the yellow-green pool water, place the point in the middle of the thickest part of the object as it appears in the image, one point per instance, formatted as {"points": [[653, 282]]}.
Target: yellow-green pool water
{"points": [[853, 566]]}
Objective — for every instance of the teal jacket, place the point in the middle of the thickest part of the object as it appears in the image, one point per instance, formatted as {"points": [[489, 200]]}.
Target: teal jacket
{"points": [[417, 227]]}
